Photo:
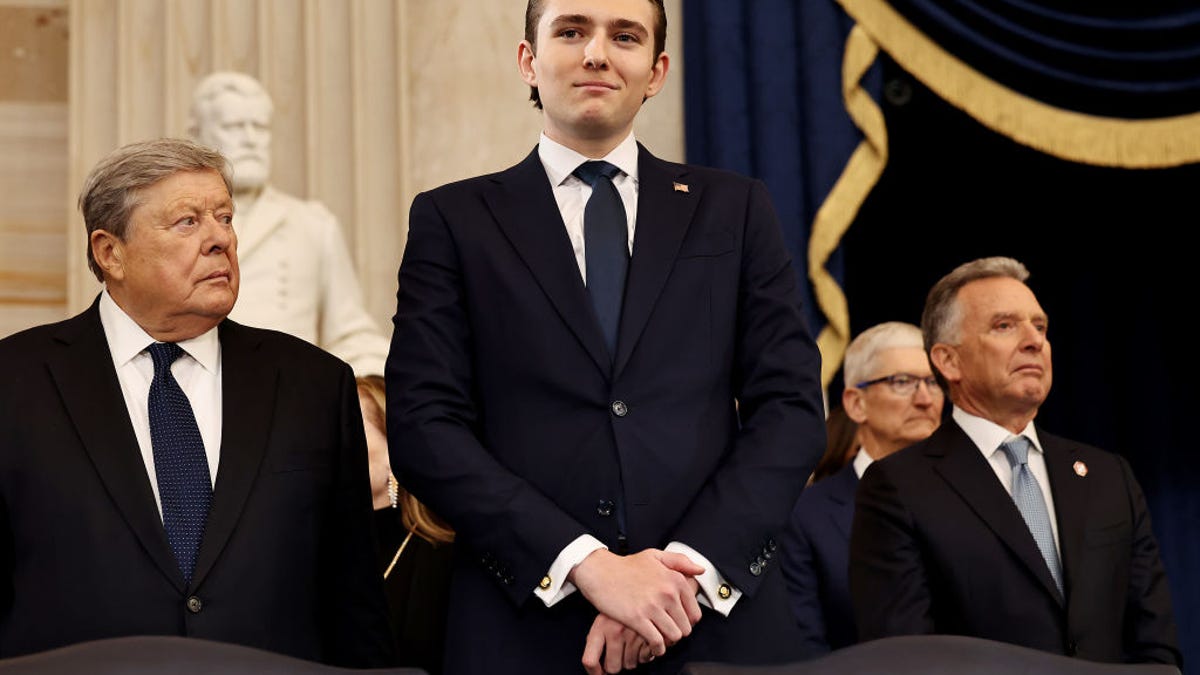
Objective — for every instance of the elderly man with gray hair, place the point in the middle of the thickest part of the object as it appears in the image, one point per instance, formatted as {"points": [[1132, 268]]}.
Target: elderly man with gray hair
{"points": [[993, 527], [166, 471], [892, 395], [297, 275]]}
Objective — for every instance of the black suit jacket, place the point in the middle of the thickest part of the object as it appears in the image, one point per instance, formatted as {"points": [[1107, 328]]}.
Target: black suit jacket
{"points": [[816, 557], [938, 546], [287, 562], [509, 417]]}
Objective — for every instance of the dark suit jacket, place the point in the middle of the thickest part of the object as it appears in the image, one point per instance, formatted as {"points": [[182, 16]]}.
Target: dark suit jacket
{"points": [[816, 557], [938, 546], [288, 558], [507, 415]]}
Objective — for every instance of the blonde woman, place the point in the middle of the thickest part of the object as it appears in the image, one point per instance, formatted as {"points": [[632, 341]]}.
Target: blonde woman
{"points": [[414, 546]]}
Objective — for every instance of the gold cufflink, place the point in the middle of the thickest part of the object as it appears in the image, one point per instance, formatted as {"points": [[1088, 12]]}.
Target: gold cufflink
{"points": [[723, 591], [545, 583]]}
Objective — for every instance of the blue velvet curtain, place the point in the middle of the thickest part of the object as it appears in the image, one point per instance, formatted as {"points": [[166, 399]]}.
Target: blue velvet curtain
{"points": [[1105, 245], [763, 98]]}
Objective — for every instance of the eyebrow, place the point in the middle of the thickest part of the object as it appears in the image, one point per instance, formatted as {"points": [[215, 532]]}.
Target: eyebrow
{"points": [[628, 25]]}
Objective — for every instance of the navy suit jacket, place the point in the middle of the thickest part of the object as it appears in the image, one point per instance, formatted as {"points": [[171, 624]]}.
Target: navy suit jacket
{"points": [[816, 560], [287, 562], [938, 546], [510, 418]]}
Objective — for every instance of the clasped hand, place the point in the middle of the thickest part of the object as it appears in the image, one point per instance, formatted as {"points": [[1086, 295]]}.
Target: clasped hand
{"points": [[647, 602]]}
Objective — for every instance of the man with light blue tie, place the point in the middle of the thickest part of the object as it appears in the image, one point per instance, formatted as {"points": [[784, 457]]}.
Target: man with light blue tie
{"points": [[166, 471], [994, 528]]}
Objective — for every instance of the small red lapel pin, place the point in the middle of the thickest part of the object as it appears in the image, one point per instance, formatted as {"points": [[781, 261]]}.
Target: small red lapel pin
{"points": [[681, 187], [1080, 469]]}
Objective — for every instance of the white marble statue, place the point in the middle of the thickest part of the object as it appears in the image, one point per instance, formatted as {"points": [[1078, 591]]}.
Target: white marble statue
{"points": [[297, 275]]}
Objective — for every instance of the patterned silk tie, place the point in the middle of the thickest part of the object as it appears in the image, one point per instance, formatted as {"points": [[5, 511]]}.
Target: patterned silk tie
{"points": [[184, 484], [1028, 495], [606, 247]]}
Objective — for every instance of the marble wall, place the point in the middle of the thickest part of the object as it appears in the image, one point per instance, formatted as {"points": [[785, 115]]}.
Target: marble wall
{"points": [[375, 101]]}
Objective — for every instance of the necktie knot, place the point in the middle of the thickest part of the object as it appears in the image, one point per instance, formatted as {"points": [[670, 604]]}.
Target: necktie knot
{"points": [[590, 172], [164, 354], [1017, 451]]}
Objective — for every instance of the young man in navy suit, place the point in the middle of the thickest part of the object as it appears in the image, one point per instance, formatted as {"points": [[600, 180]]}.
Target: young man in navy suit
{"points": [[994, 528], [600, 376], [892, 396]]}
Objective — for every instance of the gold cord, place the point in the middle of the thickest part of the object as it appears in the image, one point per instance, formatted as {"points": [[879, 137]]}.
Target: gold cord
{"points": [[396, 557]]}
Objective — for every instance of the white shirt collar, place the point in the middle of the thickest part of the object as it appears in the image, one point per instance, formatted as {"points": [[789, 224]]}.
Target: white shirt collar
{"points": [[987, 435], [559, 160], [126, 339], [861, 461]]}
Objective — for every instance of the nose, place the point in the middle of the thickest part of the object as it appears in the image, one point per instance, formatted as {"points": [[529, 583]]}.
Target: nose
{"points": [[1033, 338], [923, 396], [594, 53], [218, 236]]}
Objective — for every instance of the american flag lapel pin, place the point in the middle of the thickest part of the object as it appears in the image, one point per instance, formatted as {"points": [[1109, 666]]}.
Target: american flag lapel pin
{"points": [[1080, 469], [680, 187]]}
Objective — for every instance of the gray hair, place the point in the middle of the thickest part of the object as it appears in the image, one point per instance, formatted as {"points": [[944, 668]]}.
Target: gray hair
{"points": [[216, 84], [113, 188], [941, 321], [863, 353]]}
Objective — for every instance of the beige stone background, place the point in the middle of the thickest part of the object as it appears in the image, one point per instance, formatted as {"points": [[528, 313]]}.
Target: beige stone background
{"points": [[375, 100]]}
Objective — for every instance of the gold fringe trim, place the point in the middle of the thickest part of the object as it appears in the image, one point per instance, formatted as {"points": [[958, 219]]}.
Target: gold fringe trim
{"points": [[840, 207], [1073, 136]]}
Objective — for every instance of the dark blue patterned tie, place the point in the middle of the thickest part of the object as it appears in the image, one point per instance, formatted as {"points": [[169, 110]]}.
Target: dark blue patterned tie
{"points": [[184, 484], [606, 246]]}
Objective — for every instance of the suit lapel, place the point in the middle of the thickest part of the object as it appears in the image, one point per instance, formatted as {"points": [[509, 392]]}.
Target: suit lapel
{"points": [[92, 396], [842, 497], [522, 202], [969, 474], [1070, 501], [663, 217], [248, 386]]}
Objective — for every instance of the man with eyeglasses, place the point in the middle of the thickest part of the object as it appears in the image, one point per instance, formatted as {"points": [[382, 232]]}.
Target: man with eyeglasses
{"points": [[892, 395], [994, 528]]}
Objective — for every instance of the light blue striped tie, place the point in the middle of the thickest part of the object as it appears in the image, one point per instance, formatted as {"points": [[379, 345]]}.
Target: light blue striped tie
{"points": [[1028, 495]]}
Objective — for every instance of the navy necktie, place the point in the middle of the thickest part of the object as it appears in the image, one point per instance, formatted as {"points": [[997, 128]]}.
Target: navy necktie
{"points": [[184, 485], [605, 247], [1027, 493]]}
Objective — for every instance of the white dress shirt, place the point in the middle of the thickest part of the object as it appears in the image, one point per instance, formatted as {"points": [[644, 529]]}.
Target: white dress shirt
{"points": [[197, 370], [988, 437], [571, 195], [861, 461]]}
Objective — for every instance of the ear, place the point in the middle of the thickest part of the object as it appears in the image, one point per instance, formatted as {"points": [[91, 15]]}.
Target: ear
{"points": [[525, 60], [944, 358], [854, 404], [658, 75], [109, 253]]}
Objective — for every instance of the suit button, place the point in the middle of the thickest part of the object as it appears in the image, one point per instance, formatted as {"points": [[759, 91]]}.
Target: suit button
{"points": [[755, 569], [620, 409], [1072, 649], [604, 508], [771, 545], [194, 605]]}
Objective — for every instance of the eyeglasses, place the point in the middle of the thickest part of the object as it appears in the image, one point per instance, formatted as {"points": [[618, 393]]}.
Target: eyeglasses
{"points": [[904, 384]]}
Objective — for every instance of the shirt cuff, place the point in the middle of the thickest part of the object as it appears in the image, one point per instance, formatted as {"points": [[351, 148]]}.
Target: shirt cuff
{"points": [[715, 591], [554, 586]]}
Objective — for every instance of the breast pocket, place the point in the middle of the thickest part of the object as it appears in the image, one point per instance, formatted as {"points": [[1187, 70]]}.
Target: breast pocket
{"points": [[1107, 534], [707, 245]]}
